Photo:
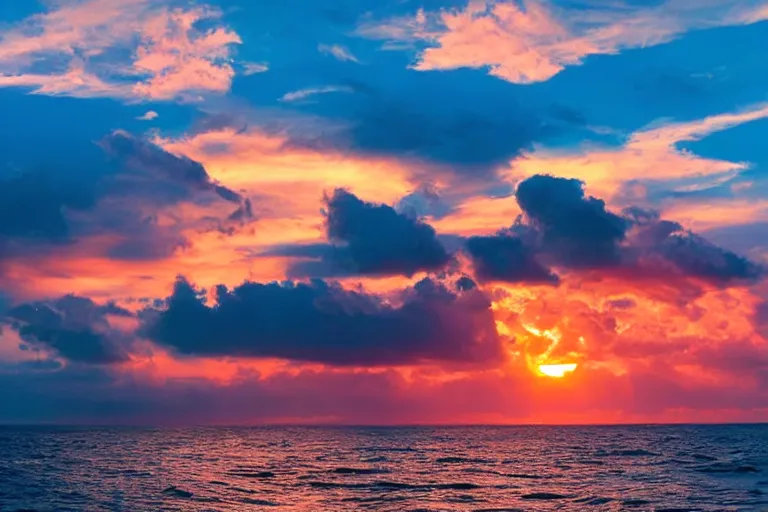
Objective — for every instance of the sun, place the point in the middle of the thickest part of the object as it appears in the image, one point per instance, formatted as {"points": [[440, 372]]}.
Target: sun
{"points": [[557, 371]]}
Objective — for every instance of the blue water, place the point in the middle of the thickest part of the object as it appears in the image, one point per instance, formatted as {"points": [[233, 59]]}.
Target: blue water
{"points": [[393, 469]]}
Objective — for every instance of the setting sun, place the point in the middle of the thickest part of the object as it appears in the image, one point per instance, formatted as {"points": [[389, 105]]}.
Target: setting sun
{"points": [[556, 370]]}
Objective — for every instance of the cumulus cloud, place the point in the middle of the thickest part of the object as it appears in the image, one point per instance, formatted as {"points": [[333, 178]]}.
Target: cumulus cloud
{"points": [[507, 258], [132, 49], [577, 228], [368, 239], [322, 322], [532, 41], [564, 227]]}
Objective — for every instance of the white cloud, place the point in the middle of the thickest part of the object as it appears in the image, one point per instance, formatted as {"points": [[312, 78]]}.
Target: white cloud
{"points": [[253, 68], [149, 116], [303, 94]]}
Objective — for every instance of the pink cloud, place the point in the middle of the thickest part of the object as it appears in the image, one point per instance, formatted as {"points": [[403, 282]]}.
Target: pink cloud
{"points": [[532, 41], [170, 56]]}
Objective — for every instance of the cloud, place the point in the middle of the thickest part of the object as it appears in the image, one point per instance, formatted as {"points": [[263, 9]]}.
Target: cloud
{"points": [[131, 49], [456, 131], [532, 41], [303, 94], [183, 177], [254, 68], [150, 115], [338, 52], [368, 239], [322, 322], [660, 241], [651, 156], [564, 227], [506, 258], [575, 227], [139, 206], [31, 208], [75, 328]]}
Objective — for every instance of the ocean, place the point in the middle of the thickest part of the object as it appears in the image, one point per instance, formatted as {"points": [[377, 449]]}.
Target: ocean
{"points": [[531, 468]]}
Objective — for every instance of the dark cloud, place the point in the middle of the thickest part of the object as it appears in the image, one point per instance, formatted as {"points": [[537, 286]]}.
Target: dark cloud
{"points": [[469, 126], [506, 258], [122, 200], [32, 207], [464, 284], [622, 303], [368, 239], [565, 228], [575, 228], [74, 327], [761, 319], [153, 173], [322, 322], [466, 138], [657, 242]]}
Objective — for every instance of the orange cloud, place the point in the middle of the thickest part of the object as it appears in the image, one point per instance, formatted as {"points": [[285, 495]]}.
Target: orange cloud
{"points": [[290, 180], [650, 154]]}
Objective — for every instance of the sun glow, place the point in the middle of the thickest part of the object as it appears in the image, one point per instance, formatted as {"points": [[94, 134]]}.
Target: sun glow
{"points": [[556, 370]]}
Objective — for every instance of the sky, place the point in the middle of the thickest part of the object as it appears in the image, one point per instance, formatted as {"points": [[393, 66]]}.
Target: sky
{"points": [[383, 212]]}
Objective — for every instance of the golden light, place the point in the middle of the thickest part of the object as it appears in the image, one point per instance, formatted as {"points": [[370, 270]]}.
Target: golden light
{"points": [[557, 371]]}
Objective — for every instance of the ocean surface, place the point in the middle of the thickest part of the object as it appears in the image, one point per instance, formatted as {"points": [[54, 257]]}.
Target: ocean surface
{"points": [[390, 469]]}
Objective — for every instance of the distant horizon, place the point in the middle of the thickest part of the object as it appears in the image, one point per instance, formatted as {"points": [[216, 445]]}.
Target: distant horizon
{"points": [[383, 426]]}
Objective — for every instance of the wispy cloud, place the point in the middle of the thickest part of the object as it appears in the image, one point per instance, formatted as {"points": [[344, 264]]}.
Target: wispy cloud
{"points": [[134, 49], [303, 94], [650, 155], [253, 68], [151, 115], [532, 41], [337, 51]]}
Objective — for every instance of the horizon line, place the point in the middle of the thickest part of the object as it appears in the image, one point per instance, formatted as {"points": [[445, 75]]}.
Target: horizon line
{"points": [[375, 425]]}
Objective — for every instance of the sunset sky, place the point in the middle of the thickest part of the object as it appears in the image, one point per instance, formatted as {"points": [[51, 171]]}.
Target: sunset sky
{"points": [[383, 212]]}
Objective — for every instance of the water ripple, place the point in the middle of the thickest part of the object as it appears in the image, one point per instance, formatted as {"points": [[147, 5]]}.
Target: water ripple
{"points": [[659, 468]]}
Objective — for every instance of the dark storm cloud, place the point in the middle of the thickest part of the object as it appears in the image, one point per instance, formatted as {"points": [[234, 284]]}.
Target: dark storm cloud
{"points": [[322, 322], [368, 239], [75, 328]]}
